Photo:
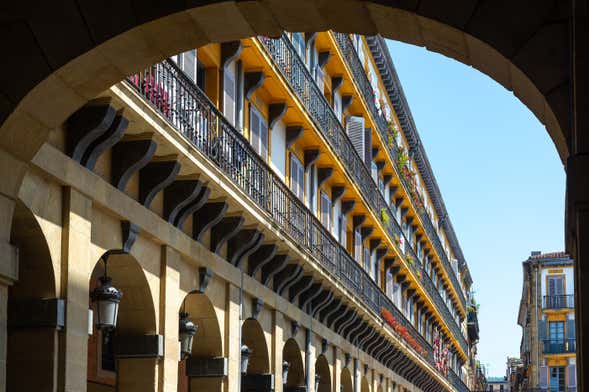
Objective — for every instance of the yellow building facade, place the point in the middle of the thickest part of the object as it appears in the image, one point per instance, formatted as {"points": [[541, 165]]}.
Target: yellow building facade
{"points": [[547, 318], [255, 215]]}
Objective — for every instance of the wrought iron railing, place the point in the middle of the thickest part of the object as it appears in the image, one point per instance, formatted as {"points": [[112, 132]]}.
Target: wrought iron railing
{"points": [[559, 346], [285, 56], [351, 57], [558, 301], [457, 382], [188, 110]]}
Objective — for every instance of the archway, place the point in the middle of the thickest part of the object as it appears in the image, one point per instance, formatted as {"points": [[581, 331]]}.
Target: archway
{"points": [[31, 344], [118, 358], [323, 373], [256, 376], [291, 353], [347, 385], [365, 386], [206, 348], [75, 82]]}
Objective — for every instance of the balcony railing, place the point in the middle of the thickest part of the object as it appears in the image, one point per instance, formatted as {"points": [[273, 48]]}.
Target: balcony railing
{"points": [[188, 110], [294, 70], [561, 346], [558, 302], [457, 382], [351, 57]]}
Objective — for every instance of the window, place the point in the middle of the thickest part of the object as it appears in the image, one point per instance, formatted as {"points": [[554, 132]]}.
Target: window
{"points": [[297, 177], [342, 229], [556, 379], [358, 245], [258, 133], [298, 42], [230, 92], [337, 105], [312, 192], [555, 285], [374, 171], [355, 130], [366, 259], [325, 210], [187, 62]]}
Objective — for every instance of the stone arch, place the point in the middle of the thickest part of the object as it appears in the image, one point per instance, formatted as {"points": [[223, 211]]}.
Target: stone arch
{"points": [[207, 342], [291, 353], [365, 385], [136, 318], [136, 38], [323, 371], [252, 335], [27, 293], [346, 381]]}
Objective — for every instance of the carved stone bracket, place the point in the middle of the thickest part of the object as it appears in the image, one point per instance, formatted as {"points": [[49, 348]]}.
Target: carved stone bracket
{"points": [[223, 231], [154, 177], [206, 217], [128, 157]]}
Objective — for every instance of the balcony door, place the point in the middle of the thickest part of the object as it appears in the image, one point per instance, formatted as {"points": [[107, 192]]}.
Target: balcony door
{"points": [[557, 379], [556, 294]]}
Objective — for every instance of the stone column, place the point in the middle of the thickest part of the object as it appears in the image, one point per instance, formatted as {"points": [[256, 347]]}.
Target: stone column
{"points": [[75, 271], [310, 359], [277, 345], [169, 302], [232, 338], [337, 369], [577, 214], [137, 375], [11, 171]]}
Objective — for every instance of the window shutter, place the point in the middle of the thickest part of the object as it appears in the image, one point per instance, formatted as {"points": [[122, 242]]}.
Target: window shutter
{"points": [[355, 130], [571, 329], [325, 210], [572, 370], [263, 138], [229, 92], [551, 286], [294, 176], [541, 329], [368, 147], [189, 64], [301, 180], [342, 227], [543, 377], [255, 129]]}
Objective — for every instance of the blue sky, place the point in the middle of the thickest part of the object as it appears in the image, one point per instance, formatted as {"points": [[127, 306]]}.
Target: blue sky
{"points": [[501, 178]]}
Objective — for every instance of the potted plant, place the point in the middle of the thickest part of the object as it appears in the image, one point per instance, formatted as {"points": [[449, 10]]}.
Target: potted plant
{"points": [[384, 217]]}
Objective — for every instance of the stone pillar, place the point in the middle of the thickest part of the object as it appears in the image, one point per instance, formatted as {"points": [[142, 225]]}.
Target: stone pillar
{"points": [[232, 338], [75, 271], [137, 375], [337, 369], [310, 359], [277, 346], [11, 171], [169, 302], [577, 214]]}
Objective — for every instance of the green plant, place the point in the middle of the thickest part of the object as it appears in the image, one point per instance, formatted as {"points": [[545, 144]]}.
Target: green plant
{"points": [[410, 260], [384, 217], [402, 158]]}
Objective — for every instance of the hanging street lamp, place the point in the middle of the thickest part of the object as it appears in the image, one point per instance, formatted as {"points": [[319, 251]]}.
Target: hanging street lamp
{"points": [[186, 335], [106, 298], [245, 358]]}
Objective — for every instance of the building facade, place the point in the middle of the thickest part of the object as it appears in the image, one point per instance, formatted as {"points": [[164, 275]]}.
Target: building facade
{"points": [[255, 215], [498, 384], [547, 318]]}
